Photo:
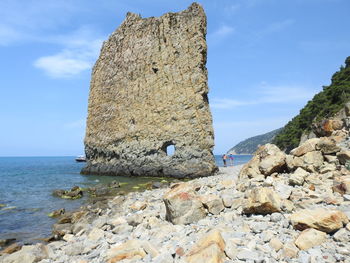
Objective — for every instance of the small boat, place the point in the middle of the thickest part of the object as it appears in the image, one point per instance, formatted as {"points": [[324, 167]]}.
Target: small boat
{"points": [[80, 158]]}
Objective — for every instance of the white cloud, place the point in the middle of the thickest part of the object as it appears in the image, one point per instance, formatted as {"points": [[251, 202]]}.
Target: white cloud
{"points": [[78, 55], [218, 103], [64, 64], [267, 94], [220, 34]]}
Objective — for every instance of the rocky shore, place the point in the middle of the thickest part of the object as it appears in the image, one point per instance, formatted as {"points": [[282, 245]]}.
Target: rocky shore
{"points": [[207, 220], [276, 208]]}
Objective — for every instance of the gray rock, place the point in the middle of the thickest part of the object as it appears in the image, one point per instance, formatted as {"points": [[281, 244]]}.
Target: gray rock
{"points": [[246, 255], [276, 217], [28, 254], [342, 235]]}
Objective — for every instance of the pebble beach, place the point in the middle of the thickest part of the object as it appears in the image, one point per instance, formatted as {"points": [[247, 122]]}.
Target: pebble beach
{"points": [[140, 227]]}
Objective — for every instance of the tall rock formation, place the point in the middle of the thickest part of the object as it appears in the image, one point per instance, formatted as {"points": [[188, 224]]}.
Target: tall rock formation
{"points": [[148, 92]]}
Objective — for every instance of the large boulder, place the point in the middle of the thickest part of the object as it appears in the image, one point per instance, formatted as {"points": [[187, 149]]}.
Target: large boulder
{"points": [[310, 238], [327, 127], [183, 205], [322, 219], [262, 201], [267, 159], [312, 160], [293, 162], [308, 146], [209, 249], [327, 146]]}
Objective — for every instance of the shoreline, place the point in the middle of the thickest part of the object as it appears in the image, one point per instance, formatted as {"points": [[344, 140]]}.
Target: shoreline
{"points": [[87, 216], [232, 216]]}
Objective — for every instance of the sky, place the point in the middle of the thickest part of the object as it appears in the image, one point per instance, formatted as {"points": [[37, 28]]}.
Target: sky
{"points": [[266, 59]]}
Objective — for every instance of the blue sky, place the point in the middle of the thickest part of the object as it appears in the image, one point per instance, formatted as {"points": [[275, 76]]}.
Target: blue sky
{"points": [[266, 59]]}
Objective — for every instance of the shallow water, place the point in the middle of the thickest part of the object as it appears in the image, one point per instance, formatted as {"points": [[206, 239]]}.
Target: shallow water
{"points": [[26, 185]]}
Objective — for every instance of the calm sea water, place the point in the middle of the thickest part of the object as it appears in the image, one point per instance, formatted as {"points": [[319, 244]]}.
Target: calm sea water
{"points": [[26, 185]]}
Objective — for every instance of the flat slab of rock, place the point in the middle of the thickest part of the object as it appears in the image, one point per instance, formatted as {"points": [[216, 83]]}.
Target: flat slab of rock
{"points": [[28, 254], [322, 219], [262, 201], [183, 205], [310, 238], [308, 146]]}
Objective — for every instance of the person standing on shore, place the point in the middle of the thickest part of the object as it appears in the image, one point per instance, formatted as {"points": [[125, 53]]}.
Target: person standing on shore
{"points": [[224, 157], [231, 159]]}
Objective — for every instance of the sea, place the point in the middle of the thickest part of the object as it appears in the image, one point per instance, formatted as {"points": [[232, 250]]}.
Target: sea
{"points": [[27, 183]]}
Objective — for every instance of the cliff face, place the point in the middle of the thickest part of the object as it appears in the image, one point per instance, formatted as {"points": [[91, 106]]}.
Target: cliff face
{"points": [[149, 91]]}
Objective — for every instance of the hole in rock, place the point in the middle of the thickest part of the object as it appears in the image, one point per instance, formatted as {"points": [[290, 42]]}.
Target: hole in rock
{"points": [[205, 97], [155, 70], [169, 148]]}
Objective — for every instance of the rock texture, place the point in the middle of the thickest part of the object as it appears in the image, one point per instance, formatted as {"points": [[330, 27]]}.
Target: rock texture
{"points": [[183, 205], [148, 92]]}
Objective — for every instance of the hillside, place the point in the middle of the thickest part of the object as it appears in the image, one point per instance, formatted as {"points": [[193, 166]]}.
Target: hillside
{"points": [[323, 105], [250, 145]]}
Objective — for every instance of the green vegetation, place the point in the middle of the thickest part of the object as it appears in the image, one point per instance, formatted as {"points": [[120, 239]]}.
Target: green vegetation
{"points": [[323, 105], [250, 145]]}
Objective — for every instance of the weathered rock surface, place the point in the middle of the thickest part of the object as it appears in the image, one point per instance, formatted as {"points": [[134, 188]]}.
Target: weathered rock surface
{"points": [[129, 250], [309, 238], [213, 203], [149, 91], [28, 254], [268, 159], [183, 205], [262, 201], [209, 248], [298, 177], [322, 219], [343, 156], [307, 146]]}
